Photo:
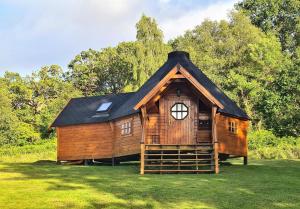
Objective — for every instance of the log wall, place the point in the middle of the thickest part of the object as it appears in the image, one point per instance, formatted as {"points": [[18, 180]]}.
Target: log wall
{"points": [[89, 141], [128, 144], [232, 143]]}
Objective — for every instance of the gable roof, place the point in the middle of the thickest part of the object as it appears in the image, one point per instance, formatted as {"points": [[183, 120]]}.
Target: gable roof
{"points": [[182, 58], [83, 110]]}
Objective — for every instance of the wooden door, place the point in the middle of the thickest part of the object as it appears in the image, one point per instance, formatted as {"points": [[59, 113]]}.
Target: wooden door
{"points": [[180, 130]]}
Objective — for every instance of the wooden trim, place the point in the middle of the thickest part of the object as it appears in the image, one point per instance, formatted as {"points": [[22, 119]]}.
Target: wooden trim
{"points": [[215, 139], [142, 159], [144, 124], [178, 76], [171, 75], [156, 88], [200, 88], [57, 144]]}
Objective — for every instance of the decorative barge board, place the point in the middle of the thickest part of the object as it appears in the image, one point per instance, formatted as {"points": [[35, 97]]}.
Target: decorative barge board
{"points": [[177, 122]]}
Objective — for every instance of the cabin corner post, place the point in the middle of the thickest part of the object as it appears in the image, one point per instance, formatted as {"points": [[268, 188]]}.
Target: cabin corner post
{"points": [[144, 133], [142, 169], [57, 146], [144, 123], [215, 139]]}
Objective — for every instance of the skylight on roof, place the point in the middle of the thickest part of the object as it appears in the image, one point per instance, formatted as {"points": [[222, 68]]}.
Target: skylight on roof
{"points": [[104, 106]]}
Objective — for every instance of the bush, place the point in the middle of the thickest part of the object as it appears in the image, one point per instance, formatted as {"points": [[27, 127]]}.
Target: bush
{"points": [[264, 144], [42, 149]]}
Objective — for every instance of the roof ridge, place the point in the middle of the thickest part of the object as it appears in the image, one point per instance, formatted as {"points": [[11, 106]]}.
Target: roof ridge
{"points": [[104, 95]]}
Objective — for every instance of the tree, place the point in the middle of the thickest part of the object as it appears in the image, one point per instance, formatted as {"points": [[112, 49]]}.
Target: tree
{"points": [[82, 73], [122, 68], [238, 57], [37, 99], [279, 16], [152, 51], [113, 71], [12, 130], [50, 94]]}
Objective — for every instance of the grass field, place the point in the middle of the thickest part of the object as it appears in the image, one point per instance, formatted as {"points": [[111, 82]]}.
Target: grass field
{"points": [[35, 181]]}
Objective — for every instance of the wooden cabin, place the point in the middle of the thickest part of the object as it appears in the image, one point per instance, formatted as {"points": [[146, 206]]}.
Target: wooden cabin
{"points": [[178, 121]]}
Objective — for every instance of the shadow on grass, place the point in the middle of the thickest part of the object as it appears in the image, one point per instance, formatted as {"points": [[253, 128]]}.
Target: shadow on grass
{"points": [[261, 184]]}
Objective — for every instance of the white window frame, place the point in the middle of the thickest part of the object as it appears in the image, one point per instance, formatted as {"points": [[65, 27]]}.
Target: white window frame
{"points": [[126, 128]]}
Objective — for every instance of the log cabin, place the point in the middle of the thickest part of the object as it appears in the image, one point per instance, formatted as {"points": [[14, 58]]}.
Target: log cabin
{"points": [[178, 121]]}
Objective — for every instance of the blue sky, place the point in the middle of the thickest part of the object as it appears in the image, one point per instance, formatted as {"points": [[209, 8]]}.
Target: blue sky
{"points": [[34, 33]]}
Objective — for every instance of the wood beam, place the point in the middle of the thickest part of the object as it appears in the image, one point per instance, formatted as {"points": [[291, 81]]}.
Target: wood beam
{"points": [[168, 79], [156, 88], [57, 146], [144, 123], [142, 159], [178, 76], [214, 138], [200, 88]]}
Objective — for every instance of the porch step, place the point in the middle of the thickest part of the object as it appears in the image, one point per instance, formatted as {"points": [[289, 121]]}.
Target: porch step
{"points": [[170, 165], [160, 158], [181, 154], [179, 171], [208, 159]]}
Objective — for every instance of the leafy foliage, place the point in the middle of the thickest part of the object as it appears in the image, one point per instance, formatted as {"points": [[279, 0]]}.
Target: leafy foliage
{"points": [[264, 144], [252, 63], [30, 104], [250, 67], [281, 17]]}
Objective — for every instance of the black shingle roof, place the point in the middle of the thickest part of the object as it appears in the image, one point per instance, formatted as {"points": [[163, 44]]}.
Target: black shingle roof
{"points": [[83, 110]]}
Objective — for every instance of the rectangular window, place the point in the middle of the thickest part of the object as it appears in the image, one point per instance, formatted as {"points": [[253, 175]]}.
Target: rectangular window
{"points": [[126, 128], [232, 127]]}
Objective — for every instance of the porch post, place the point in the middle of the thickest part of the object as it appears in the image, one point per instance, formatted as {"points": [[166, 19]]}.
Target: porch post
{"points": [[144, 131], [215, 139], [144, 124], [142, 159]]}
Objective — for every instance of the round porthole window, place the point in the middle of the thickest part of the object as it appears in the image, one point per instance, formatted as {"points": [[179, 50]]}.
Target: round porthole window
{"points": [[179, 111]]}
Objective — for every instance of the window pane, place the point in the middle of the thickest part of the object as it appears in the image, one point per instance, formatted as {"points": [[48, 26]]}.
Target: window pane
{"points": [[179, 107], [174, 114], [174, 108], [104, 106], [179, 115], [184, 114]]}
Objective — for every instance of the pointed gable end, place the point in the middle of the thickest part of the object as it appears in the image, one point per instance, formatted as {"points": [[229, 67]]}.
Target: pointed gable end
{"points": [[179, 65]]}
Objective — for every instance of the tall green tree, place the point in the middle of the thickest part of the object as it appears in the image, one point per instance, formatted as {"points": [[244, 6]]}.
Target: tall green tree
{"points": [[281, 17], [12, 130], [152, 51], [37, 99], [51, 92], [238, 57], [82, 72], [122, 68], [114, 72]]}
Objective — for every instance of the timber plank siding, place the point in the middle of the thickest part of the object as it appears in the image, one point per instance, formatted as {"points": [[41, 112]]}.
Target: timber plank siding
{"points": [[176, 120], [86, 141]]}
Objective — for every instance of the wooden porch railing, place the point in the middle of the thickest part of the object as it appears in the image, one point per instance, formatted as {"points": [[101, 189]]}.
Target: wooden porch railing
{"points": [[163, 158]]}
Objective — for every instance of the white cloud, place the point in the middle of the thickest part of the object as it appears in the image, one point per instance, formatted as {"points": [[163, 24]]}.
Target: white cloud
{"points": [[186, 20], [46, 32]]}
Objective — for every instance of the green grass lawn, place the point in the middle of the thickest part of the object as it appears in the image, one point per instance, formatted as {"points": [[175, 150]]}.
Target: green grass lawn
{"points": [[37, 182]]}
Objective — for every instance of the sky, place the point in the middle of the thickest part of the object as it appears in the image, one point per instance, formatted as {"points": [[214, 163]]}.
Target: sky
{"points": [[35, 33]]}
